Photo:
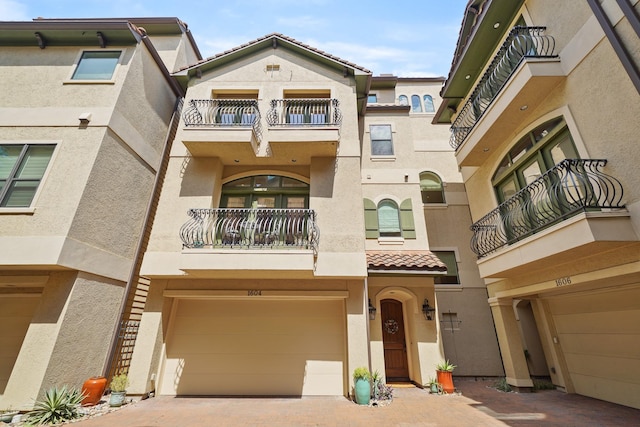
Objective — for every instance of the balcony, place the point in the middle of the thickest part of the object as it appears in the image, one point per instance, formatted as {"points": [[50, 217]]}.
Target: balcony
{"points": [[522, 73], [571, 210], [303, 128], [236, 242], [226, 128]]}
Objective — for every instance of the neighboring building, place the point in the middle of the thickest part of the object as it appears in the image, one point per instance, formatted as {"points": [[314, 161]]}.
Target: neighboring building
{"points": [[85, 112], [543, 99], [291, 213]]}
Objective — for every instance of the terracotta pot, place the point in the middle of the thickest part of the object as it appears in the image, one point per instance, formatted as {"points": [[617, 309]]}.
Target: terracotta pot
{"points": [[93, 389], [445, 379]]}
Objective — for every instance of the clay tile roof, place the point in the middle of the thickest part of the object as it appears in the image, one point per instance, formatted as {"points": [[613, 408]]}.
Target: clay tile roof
{"points": [[404, 260], [283, 37]]}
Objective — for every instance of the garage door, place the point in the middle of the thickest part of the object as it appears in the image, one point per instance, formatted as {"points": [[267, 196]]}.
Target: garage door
{"points": [[255, 347], [599, 335]]}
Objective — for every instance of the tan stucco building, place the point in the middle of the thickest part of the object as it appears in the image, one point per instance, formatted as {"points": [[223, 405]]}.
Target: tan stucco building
{"points": [[83, 124], [291, 211], [542, 98]]}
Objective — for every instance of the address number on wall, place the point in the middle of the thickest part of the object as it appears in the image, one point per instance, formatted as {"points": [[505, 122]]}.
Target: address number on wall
{"points": [[563, 281], [254, 293]]}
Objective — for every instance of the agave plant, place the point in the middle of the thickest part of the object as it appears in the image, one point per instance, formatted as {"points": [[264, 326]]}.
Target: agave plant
{"points": [[59, 405]]}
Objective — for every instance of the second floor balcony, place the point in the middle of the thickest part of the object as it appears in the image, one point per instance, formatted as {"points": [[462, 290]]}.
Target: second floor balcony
{"points": [[569, 210], [254, 228]]}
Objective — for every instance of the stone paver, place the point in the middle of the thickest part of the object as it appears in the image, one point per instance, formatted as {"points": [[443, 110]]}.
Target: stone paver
{"points": [[478, 405]]}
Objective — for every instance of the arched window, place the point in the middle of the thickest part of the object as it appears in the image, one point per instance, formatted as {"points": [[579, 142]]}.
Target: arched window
{"points": [[403, 100], [386, 219], [416, 107], [265, 191], [428, 104], [431, 188], [389, 218]]}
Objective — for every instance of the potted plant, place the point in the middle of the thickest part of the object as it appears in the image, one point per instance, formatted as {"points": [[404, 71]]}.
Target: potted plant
{"points": [[445, 377], [434, 386], [118, 386], [361, 378]]}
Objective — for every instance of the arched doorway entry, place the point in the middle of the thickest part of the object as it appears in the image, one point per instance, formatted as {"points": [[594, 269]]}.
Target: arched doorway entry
{"points": [[394, 341]]}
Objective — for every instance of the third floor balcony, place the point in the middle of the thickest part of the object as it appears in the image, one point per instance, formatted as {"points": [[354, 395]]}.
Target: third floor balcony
{"points": [[522, 73]]}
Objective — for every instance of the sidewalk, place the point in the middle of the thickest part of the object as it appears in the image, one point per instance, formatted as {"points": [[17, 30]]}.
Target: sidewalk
{"points": [[478, 405]]}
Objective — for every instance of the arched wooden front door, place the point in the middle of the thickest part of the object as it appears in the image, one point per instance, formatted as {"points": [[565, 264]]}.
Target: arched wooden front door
{"points": [[395, 346]]}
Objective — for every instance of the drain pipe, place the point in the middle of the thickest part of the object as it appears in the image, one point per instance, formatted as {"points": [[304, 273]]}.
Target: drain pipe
{"points": [[366, 305], [133, 274]]}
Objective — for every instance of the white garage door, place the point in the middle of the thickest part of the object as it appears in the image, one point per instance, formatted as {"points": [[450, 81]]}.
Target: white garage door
{"points": [[599, 335], [255, 347]]}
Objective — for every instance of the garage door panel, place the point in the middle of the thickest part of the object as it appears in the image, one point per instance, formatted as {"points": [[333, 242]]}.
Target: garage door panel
{"points": [[246, 347], [626, 322], [611, 345], [606, 368]]}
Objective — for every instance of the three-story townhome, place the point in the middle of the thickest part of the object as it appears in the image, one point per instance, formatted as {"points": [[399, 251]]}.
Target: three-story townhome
{"points": [[542, 99]]}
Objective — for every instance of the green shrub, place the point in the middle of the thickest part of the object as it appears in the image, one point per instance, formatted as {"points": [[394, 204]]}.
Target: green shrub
{"points": [[119, 383], [445, 366], [503, 385], [361, 373], [542, 384], [58, 405]]}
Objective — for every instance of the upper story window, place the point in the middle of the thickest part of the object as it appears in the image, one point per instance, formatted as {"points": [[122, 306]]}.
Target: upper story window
{"points": [[381, 142], [428, 104], [431, 188], [416, 107], [387, 219], [372, 98], [451, 278], [97, 65], [266, 192], [22, 167], [531, 156]]}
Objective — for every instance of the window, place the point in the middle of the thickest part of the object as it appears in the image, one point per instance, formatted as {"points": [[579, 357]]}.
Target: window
{"points": [[386, 219], [431, 188], [97, 65], [428, 104], [531, 156], [22, 167], [389, 218], [265, 191], [451, 278], [372, 98], [416, 107], [403, 100], [381, 143]]}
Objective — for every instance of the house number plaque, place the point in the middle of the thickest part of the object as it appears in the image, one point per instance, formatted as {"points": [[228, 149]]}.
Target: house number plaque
{"points": [[254, 293], [563, 281]]}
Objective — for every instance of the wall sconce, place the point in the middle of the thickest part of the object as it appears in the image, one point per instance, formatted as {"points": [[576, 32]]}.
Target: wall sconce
{"points": [[427, 310], [372, 311]]}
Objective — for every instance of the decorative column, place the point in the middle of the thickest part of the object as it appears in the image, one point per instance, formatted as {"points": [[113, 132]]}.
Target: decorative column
{"points": [[513, 359]]}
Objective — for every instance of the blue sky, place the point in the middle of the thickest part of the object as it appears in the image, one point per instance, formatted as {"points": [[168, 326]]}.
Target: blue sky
{"points": [[414, 40]]}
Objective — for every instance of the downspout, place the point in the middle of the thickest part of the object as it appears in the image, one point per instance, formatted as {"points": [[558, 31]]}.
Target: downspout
{"points": [[366, 302], [133, 274]]}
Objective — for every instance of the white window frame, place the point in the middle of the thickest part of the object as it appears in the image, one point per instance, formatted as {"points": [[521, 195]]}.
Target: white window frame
{"points": [[382, 157], [71, 80]]}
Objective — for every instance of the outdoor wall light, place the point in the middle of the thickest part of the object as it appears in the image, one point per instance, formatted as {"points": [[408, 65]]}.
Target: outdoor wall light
{"points": [[427, 310], [372, 311]]}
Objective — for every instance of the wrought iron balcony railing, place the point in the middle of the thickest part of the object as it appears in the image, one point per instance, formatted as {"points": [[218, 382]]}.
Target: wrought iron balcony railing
{"points": [[522, 42], [251, 228], [570, 187], [223, 112], [304, 112]]}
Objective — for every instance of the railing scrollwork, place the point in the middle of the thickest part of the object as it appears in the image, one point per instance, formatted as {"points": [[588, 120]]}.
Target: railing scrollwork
{"points": [[570, 187], [251, 228], [304, 112]]}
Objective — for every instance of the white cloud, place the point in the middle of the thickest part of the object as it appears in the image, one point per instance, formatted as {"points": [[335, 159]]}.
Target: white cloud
{"points": [[11, 10], [301, 22]]}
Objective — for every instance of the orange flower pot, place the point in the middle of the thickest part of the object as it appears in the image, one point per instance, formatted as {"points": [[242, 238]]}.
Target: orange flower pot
{"points": [[93, 389], [445, 378]]}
